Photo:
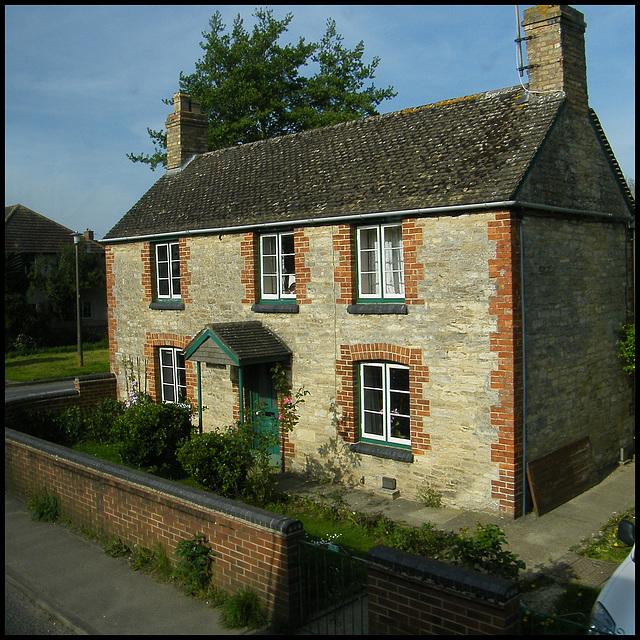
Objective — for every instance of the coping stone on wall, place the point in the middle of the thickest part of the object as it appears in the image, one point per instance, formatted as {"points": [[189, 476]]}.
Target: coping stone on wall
{"points": [[198, 497], [487, 587]]}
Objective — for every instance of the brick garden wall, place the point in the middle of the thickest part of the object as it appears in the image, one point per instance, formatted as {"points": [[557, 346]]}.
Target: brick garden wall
{"points": [[411, 595], [87, 392], [253, 547]]}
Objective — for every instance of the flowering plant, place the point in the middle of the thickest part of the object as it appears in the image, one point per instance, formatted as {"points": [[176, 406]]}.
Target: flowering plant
{"points": [[134, 394], [288, 401]]}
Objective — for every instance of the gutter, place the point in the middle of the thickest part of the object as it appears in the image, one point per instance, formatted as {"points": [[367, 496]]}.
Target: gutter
{"points": [[371, 216]]}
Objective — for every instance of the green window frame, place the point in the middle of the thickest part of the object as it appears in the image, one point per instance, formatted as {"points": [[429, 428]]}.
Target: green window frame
{"points": [[277, 267], [380, 263], [167, 270], [384, 403]]}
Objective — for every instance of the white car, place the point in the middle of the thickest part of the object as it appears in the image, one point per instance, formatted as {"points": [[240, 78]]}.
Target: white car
{"points": [[614, 613]]}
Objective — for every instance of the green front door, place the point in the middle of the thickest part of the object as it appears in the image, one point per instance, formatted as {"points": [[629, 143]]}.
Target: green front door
{"points": [[262, 406]]}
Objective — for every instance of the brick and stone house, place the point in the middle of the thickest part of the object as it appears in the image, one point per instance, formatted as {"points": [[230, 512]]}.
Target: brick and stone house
{"points": [[448, 282]]}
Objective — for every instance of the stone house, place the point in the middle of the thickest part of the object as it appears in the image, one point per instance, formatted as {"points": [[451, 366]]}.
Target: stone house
{"points": [[448, 282]]}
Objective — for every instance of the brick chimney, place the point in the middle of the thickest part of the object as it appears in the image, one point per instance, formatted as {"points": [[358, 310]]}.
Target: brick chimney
{"points": [[556, 53], [186, 131], [88, 235]]}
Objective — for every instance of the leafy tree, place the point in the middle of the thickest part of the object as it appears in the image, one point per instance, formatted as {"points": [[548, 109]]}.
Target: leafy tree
{"points": [[251, 88], [58, 280]]}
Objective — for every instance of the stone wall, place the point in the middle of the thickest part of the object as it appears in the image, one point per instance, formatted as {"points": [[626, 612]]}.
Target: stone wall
{"points": [[448, 327], [461, 336], [575, 302]]}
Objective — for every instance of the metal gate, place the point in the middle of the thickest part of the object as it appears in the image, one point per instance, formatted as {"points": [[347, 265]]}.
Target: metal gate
{"points": [[333, 590]]}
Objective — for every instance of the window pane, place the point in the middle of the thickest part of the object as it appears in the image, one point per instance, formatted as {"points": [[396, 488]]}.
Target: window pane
{"points": [[286, 243], [368, 261], [399, 403], [393, 261], [269, 285], [168, 394], [269, 245], [373, 424], [368, 238], [372, 400], [167, 375], [161, 252], [369, 284], [163, 269], [399, 378], [400, 427], [372, 376], [175, 253], [269, 265], [392, 236], [176, 287]]}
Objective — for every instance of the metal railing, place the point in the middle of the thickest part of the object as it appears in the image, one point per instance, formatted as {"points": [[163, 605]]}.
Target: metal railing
{"points": [[333, 590]]}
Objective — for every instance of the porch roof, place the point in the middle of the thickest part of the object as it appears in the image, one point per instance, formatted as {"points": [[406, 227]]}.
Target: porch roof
{"points": [[236, 343]]}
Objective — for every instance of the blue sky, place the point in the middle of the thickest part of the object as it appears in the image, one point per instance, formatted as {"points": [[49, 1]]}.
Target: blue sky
{"points": [[82, 83]]}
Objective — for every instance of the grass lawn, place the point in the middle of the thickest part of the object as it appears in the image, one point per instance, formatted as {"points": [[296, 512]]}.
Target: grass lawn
{"points": [[54, 363]]}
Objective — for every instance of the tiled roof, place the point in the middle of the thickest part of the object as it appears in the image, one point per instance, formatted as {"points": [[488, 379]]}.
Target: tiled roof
{"points": [[243, 343], [465, 151], [26, 231]]}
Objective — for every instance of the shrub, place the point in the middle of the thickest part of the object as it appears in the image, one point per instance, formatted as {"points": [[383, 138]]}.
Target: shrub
{"points": [[148, 435], [72, 425], [627, 345], [219, 461], [483, 551], [42, 423], [98, 425], [194, 566]]}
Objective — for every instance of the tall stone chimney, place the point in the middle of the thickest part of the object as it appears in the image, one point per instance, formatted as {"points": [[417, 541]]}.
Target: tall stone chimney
{"points": [[556, 54], [186, 131]]}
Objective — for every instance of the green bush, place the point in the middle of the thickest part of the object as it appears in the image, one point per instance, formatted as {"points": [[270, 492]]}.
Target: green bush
{"points": [[219, 461], [194, 566], [42, 423], [627, 346], [148, 435], [483, 551], [98, 424]]}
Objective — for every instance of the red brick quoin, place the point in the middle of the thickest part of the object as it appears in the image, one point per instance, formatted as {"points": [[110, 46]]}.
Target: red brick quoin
{"points": [[508, 378]]}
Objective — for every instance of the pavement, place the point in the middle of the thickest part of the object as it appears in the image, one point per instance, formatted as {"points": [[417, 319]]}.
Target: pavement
{"points": [[73, 579], [37, 390]]}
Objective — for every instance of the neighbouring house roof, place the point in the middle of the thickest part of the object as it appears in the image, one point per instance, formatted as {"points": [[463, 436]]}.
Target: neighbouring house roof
{"points": [[465, 151], [236, 343], [26, 231]]}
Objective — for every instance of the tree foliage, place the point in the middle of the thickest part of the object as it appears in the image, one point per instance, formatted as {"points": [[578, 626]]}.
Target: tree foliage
{"points": [[251, 88], [58, 279]]}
